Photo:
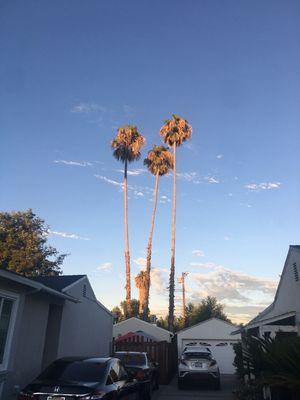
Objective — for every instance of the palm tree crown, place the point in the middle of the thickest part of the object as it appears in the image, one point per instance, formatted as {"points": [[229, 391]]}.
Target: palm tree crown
{"points": [[176, 130], [159, 160], [128, 143]]}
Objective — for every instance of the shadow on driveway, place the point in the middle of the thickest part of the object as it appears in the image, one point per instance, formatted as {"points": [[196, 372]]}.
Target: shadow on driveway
{"points": [[170, 392]]}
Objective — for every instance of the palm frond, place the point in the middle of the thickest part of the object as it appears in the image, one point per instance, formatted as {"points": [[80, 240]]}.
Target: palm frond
{"points": [[159, 160], [127, 144], [176, 130]]}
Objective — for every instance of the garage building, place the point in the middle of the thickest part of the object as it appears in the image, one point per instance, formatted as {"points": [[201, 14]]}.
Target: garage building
{"points": [[214, 334]]}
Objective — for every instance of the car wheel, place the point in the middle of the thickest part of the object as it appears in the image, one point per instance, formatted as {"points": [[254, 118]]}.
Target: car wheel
{"points": [[180, 384]]}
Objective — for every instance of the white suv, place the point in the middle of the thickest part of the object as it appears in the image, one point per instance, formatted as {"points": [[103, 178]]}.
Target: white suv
{"points": [[197, 365]]}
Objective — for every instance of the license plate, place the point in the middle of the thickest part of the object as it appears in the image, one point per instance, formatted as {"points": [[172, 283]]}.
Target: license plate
{"points": [[56, 398], [198, 364]]}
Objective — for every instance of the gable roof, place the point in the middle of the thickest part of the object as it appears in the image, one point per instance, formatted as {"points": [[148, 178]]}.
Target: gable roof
{"points": [[143, 322], [38, 286], [263, 315], [207, 320], [59, 282]]}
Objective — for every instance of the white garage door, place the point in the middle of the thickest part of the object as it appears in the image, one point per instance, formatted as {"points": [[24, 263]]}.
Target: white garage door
{"points": [[222, 351]]}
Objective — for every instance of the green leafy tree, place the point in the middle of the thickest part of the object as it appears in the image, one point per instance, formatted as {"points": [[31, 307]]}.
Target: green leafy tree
{"points": [[23, 245], [174, 132], [118, 315], [134, 309], [208, 308], [127, 148], [159, 162]]}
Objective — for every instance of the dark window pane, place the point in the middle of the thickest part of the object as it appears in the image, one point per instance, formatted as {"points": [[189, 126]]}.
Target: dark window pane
{"points": [[84, 371], [131, 359], [4, 324]]}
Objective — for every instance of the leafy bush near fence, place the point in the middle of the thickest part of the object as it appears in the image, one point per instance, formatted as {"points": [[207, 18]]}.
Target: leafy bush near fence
{"points": [[269, 362]]}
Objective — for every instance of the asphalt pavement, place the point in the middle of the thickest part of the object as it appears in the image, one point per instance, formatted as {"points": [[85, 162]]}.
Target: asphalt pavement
{"points": [[171, 392]]}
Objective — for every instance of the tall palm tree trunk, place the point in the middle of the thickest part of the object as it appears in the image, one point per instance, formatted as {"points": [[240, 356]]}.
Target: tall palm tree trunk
{"points": [[126, 236], [172, 267], [149, 250]]}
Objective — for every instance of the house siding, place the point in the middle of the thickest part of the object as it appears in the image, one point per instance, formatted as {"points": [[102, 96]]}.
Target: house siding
{"points": [[86, 328]]}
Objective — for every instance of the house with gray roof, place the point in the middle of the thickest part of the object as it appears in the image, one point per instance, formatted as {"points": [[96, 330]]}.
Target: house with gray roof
{"points": [[283, 315], [45, 318]]}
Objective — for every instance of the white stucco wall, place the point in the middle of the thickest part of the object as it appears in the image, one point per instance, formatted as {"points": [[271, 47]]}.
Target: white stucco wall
{"points": [[86, 327], [135, 324], [213, 329]]}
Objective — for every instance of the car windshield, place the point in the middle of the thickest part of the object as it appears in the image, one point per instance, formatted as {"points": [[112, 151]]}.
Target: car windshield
{"points": [[191, 355], [78, 371], [131, 358]]}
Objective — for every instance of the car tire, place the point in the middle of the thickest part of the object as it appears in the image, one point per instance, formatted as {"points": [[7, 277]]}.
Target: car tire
{"points": [[180, 384]]}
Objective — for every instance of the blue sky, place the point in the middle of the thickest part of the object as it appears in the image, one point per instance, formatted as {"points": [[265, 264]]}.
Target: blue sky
{"points": [[71, 72]]}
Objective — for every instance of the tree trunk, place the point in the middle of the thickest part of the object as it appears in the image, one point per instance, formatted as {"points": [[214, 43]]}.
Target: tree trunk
{"points": [[126, 236], [149, 251], [172, 267]]}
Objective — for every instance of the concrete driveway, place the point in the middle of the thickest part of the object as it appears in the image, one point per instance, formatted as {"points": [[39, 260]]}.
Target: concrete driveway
{"points": [[170, 392]]}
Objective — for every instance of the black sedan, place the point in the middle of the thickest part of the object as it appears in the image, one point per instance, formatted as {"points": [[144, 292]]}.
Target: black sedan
{"points": [[140, 366], [84, 379]]}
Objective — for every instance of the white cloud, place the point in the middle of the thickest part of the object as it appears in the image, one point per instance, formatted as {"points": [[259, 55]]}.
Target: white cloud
{"points": [[198, 253], [189, 177], [66, 235], [74, 163], [133, 172], [141, 262], [158, 280], [136, 190], [211, 179], [139, 194], [109, 181], [193, 177], [219, 156], [263, 186], [164, 199], [88, 108], [107, 266], [226, 238], [233, 287]]}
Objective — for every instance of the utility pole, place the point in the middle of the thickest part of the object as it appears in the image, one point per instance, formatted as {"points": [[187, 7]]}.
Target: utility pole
{"points": [[182, 281]]}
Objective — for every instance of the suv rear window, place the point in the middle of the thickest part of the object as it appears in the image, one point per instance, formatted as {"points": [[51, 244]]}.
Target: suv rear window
{"points": [[130, 359], [84, 371], [189, 356]]}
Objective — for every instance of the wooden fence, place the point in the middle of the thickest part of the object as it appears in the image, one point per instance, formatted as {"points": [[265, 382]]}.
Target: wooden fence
{"points": [[164, 353]]}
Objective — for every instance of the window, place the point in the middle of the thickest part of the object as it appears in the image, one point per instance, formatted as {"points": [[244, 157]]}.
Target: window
{"points": [[222, 344], [6, 309], [83, 371], [114, 373]]}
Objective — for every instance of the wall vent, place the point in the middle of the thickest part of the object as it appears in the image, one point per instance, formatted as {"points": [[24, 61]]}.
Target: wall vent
{"points": [[296, 274], [84, 291]]}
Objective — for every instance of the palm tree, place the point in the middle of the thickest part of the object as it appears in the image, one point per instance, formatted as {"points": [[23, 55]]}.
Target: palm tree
{"points": [[159, 162], [127, 148], [175, 131], [141, 284]]}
